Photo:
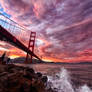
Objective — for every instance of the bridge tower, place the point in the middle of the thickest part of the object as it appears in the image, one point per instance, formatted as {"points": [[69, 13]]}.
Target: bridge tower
{"points": [[31, 45]]}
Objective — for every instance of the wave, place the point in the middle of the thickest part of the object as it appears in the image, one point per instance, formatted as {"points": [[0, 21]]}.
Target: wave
{"points": [[61, 82]]}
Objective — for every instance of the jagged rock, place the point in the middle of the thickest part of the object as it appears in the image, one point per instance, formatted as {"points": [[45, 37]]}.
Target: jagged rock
{"points": [[13, 79], [30, 70], [3, 83], [9, 67], [2, 68], [21, 79], [29, 73], [25, 84], [39, 75], [38, 86], [44, 79], [3, 74]]}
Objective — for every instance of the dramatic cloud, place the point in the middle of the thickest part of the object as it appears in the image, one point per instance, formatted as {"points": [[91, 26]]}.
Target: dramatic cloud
{"points": [[63, 27]]}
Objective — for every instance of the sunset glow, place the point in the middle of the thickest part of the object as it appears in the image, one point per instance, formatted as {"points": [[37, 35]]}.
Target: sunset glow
{"points": [[14, 56], [63, 28]]}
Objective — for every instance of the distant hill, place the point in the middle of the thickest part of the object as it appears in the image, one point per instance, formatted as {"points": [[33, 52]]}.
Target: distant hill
{"points": [[84, 62], [22, 60]]}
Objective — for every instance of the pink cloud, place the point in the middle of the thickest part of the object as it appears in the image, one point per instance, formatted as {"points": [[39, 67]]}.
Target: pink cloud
{"points": [[64, 24]]}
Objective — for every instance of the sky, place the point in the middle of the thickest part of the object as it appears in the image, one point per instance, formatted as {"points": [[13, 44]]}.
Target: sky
{"points": [[63, 27]]}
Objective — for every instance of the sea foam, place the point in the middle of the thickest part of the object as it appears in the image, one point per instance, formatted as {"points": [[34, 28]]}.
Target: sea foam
{"points": [[61, 82]]}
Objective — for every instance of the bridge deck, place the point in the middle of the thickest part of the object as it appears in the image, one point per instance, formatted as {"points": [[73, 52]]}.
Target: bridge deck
{"points": [[6, 36]]}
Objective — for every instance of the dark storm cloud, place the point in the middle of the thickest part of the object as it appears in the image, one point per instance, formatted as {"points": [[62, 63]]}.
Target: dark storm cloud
{"points": [[64, 24]]}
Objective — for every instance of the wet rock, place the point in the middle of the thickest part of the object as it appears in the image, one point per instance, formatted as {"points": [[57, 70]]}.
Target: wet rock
{"points": [[39, 75], [9, 67], [30, 70], [52, 90], [2, 68], [27, 75], [21, 79], [13, 79], [38, 85], [25, 84], [44, 79], [3, 83], [3, 74], [21, 89]]}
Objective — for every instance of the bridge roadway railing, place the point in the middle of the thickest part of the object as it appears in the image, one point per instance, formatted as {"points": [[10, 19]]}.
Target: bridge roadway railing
{"points": [[22, 35], [15, 29]]}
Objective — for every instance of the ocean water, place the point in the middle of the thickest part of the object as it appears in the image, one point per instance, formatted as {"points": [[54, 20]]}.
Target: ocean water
{"points": [[66, 77]]}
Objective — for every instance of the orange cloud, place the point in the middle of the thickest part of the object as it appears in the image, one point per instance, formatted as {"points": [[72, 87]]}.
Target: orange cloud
{"points": [[65, 30]]}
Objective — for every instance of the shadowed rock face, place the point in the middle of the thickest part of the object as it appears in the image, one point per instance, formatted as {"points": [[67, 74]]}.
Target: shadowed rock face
{"points": [[21, 79]]}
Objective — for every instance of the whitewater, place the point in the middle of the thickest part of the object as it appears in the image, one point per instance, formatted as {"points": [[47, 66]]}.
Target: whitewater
{"points": [[63, 77], [61, 82]]}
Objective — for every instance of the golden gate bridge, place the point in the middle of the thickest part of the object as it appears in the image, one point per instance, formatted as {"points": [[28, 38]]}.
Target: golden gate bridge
{"points": [[8, 31]]}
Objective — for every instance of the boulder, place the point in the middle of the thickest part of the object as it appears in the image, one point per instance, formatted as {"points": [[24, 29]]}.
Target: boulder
{"points": [[21, 79], [39, 75], [44, 79]]}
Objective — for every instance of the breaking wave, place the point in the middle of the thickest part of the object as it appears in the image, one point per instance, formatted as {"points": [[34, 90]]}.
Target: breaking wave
{"points": [[61, 82]]}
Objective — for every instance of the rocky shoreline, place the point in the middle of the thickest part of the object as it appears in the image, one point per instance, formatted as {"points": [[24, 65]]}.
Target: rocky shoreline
{"points": [[22, 79]]}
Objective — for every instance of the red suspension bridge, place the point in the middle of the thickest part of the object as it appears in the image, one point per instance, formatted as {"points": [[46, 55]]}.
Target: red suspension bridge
{"points": [[8, 31]]}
